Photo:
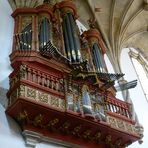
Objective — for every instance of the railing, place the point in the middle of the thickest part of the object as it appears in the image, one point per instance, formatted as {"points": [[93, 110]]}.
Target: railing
{"points": [[55, 84], [37, 77], [117, 106]]}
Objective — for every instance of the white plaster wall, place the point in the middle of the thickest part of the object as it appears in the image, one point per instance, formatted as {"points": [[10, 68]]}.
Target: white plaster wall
{"points": [[46, 145], [6, 33], [137, 96], [9, 132]]}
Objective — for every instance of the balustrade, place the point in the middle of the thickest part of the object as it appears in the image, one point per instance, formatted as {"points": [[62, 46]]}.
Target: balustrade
{"points": [[118, 107], [40, 78], [98, 109]]}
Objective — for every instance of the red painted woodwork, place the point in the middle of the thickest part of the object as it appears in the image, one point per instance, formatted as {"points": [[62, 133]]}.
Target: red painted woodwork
{"points": [[66, 134], [34, 75], [92, 35]]}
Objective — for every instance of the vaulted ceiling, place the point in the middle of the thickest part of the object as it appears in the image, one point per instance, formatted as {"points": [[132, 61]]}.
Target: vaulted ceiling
{"points": [[123, 23]]}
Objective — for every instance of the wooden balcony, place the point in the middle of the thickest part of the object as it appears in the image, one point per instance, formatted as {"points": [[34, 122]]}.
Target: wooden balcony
{"points": [[37, 101]]}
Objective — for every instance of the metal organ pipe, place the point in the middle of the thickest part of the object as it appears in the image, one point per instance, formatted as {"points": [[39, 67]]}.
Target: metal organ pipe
{"points": [[69, 33], [95, 58], [75, 37], [24, 39], [98, 58], [45, 32], [73, 42], [68, 52], [86, 102]]}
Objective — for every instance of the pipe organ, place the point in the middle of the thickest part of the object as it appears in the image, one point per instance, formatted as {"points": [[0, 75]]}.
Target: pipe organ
{"points": [[60, 87]]}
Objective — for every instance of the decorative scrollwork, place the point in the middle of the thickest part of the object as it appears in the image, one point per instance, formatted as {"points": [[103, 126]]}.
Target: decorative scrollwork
{"points": [[43, 97], [21, 91], [23, 116], [120, 124], [31, 93], [38, 120], [23, 71]]}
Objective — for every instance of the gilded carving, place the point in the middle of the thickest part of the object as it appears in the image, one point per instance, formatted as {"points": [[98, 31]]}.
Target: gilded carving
{"points": [[97, 136], [53, 122], [31, 93], [62, 103], [43, 97], [65, 127], [76, 130], [21, 91], [22, 73], [38, 120], [54, 101], [23, 116], [118, 142], [120, 124], [108, 139], [26, 21], [86, 134], [129, 127], [112, 122]]}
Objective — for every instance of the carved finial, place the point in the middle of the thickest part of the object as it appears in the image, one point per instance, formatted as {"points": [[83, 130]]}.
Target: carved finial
{"points": [[92, 23]]}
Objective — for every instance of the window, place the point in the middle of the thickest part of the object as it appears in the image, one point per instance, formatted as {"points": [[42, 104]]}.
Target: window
{"points": [[141, 69]]}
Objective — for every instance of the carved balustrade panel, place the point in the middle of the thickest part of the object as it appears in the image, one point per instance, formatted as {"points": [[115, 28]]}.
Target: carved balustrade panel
{"points": [[26, 92], [37, 77], [121, 124], [118, 107]]}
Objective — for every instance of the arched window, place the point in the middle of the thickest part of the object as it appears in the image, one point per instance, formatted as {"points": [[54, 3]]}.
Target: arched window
{"points": [[25, 38], [141, 68], [136, 94], [44, 32]]}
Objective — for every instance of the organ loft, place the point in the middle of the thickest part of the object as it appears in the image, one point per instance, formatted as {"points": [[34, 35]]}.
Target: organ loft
{"points": [[60, 88]]}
